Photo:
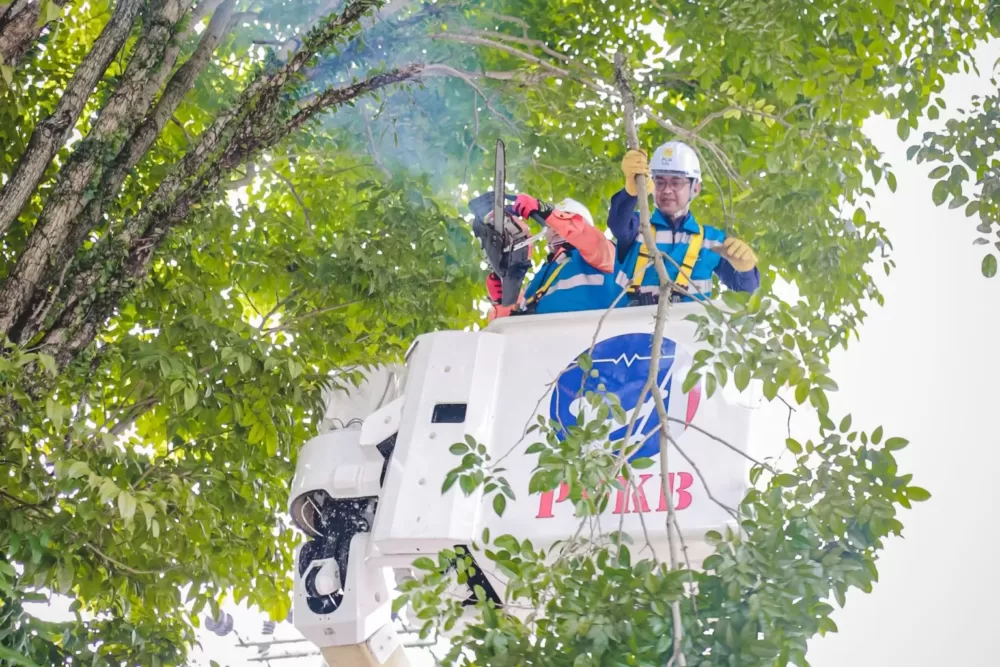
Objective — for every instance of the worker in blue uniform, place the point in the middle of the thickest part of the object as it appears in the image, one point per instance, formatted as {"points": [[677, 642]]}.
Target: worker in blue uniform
{"points": [[578, 272], [695, 252]]}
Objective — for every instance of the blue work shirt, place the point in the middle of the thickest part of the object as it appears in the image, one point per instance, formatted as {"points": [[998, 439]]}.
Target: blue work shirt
{"points": [[672, 239], [578, 286]]}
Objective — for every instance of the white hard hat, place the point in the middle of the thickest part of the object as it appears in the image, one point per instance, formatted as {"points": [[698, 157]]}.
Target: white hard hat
{"points": [[573, 206], [675, 158]]}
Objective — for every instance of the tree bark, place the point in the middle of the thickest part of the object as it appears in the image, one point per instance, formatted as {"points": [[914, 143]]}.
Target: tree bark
{"points": [[77, 325], [19, 29], [124, 109], [51, 134], [137, 146]]}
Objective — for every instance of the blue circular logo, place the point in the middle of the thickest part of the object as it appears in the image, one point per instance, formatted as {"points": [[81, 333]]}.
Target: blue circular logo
{"points": [[622, 365]]}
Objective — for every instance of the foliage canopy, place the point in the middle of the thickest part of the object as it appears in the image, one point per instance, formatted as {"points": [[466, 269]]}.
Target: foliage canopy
{"points": [[210, 212]]}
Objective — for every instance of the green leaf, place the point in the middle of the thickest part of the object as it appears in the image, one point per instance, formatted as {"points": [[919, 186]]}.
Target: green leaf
{"points": [[499, 504], [894, 444], [989, 266], [78, 469], [786, 480], [890, 180], [877, 435], [108, 490], [845, 424], [940, 192], [16, 658], [938, 172], [741, 376], [468, 484], [190, 398], [425, 563], [793, 446], [917, 494], [802, 391], [643, 463], [459, 449], [902, 129], [54, 411], [126, 506]]}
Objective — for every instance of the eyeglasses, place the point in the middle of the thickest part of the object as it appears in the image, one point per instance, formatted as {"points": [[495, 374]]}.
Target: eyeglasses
{"points": [[676, 184]]}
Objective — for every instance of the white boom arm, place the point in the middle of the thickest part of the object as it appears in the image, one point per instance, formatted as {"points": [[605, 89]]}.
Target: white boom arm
{"points": [[369, 498]]}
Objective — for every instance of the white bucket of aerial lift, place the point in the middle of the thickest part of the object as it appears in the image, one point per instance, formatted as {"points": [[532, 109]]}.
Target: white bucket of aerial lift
{"points": [[491, 385]]}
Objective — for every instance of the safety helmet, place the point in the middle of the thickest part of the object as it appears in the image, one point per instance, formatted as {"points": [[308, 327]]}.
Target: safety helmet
{"points": [[573, 206], [675, 158]]}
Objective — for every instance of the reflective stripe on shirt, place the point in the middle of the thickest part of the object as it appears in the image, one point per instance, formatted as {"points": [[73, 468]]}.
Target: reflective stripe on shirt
{"points": [[579, 280]]}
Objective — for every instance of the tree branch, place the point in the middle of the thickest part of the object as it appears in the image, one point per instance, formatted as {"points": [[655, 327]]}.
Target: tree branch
{"points": [[662, 310], [137, 146], [447, 70], [51, 134], [371, 145], [20, 26], [120, 114]]}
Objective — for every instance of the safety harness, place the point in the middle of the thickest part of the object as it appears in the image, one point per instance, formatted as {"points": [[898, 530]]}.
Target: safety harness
{"points": [[531, 303], [683, 274]]}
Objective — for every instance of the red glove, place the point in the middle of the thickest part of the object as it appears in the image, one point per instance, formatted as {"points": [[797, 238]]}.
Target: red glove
{"points": [[525, 205], [494, 286]]}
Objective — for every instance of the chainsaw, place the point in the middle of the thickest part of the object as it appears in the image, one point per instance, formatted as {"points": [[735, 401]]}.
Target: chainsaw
{"points": [[506, 241]]}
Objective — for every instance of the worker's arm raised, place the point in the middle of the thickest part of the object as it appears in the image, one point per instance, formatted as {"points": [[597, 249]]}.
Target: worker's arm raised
{"points": [[593, 246], [572, 228]]}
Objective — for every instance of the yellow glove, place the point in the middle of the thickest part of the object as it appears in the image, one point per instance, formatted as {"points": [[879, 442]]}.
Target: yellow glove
{"points": [[739, 254], [633, 164]]}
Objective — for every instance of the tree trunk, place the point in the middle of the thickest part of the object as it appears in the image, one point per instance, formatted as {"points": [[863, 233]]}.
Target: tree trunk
{"points": [[79, 322], [19, 28], [122, 112], [137, 146], [51, 134]]}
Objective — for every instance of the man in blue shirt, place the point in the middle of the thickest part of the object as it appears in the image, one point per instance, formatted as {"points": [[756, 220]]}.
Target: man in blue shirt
{"points": [[694, 252]]}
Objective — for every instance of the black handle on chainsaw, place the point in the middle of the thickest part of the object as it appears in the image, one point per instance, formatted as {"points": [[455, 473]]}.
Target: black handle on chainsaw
{"points": [[535, 215]]}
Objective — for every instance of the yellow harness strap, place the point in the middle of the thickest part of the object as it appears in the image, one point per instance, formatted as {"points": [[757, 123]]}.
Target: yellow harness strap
{"points": [[683, 275], [540, 292]]}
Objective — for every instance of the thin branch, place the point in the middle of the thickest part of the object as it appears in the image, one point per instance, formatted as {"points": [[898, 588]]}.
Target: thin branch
{"points": [[750, 111], [125, 568], [295, 194], [440, 69], [244, 180], [518, 40], [662, 310], [315, 313], [732, 512], [719, 440], [509, 19], [281, 302], [371, 145], [249, 300]]}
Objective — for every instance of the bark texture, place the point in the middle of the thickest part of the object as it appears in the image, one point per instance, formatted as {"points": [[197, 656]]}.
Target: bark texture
{"points": [[48, 242], [50, 134], [19, 28]]}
